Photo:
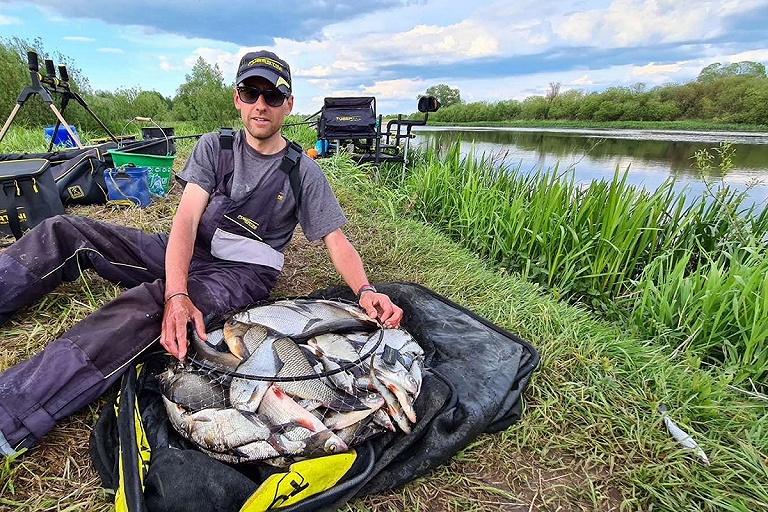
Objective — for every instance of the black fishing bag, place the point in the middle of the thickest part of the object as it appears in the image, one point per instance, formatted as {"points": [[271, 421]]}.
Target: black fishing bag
{"points": [[28, 195], [474, 377], [78, 173]]}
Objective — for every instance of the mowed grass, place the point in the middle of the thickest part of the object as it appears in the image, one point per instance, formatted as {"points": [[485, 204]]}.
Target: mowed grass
{"points": [[590, 437]]}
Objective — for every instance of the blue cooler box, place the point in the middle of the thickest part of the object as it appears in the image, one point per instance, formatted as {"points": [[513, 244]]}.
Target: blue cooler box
{"points": [[62, 138]]}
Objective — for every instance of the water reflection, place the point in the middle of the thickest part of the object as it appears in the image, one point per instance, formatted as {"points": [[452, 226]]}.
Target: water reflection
{"points": [[651, 155]]}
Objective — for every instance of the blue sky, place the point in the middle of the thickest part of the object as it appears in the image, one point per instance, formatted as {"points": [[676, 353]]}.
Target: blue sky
{"points": [[395, 49]]}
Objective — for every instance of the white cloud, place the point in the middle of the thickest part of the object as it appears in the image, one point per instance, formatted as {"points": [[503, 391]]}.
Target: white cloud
{"points": [[166, 64], [449, 43], [79, 39], [655, 70], [316, 72], [583, 80], [226, 61], [753, 55], [579, 27], [739, 6], [633, 22], [400, 89], [9, 20]]}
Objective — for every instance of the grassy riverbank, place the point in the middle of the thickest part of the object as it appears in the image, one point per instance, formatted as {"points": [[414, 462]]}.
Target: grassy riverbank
{"points": [[590, 437], [609, 125], [687, 269]]}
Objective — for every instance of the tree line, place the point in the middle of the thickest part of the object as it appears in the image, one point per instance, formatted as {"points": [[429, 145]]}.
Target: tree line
{"points": [[204, 97], [734, 93]]}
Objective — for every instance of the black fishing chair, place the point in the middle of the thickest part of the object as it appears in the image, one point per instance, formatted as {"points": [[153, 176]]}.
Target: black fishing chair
{"points": [[351, 124]]}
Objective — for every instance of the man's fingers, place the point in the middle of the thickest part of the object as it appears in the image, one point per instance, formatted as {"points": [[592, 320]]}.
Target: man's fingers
{"points": [[391, 315], [371, 312], [199, 325]]}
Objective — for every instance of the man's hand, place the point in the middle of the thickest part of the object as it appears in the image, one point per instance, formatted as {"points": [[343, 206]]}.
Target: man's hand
{"points": [[379, 305], [179, 311]]}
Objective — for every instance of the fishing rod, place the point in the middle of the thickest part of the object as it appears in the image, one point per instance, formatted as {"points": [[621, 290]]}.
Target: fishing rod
{"points": [[306, 120], [147, 143]]}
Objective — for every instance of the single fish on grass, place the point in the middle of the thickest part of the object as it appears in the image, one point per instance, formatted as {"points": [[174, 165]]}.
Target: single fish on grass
{"points": [[681, 436]]}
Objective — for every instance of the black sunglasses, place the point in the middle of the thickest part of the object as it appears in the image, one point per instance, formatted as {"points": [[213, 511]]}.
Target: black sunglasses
{"points": [[273, 97]]}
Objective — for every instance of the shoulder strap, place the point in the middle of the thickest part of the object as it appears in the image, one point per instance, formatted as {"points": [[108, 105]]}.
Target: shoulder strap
{"points": [[226, 163], [290, 166], [225, 136]]}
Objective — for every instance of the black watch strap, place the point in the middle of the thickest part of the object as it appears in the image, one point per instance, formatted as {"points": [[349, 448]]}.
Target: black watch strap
{"points": [[365, 288]]}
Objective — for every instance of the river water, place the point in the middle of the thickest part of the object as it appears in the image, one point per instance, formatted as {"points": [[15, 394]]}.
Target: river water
{"points": [[651, 156]]}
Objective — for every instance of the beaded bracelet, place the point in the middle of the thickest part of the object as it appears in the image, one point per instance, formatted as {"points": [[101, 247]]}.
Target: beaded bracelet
{"points": [[175, 295]]}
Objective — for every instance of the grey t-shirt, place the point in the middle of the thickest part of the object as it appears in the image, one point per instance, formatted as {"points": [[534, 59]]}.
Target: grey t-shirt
{"points": [[319, 213]]}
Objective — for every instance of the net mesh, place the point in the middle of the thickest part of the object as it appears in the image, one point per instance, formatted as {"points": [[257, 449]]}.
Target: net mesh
{"points": [[293, 379]]}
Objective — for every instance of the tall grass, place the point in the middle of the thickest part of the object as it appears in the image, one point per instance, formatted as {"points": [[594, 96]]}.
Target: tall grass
{"points": [[689, 270], [718, 309]]}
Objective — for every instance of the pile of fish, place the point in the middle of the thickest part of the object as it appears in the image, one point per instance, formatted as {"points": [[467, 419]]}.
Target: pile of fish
{"points": [[293, 379]]}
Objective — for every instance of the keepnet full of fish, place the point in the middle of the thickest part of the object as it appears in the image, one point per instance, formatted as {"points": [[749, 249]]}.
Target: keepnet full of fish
{"points": [[293, 379]]}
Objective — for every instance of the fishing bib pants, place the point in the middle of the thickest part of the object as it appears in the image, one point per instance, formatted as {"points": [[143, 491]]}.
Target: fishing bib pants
{"points": [[83, 362]]}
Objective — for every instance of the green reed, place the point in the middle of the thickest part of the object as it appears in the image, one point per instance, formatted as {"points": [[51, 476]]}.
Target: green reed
{"points": [[716, 309], [582, 242], [664, 262]]}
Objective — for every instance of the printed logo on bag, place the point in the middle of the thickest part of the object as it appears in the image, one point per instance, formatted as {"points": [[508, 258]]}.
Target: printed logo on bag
{"points": [[350, 119], [76, 192], [4, 216], [292, 484]]}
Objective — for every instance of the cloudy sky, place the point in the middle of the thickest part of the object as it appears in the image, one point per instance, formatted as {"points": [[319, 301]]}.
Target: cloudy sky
{"points": [[395, 49]]}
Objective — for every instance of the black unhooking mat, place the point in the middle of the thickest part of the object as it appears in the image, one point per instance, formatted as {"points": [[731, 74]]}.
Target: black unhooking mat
{"points": [[475, 375]]}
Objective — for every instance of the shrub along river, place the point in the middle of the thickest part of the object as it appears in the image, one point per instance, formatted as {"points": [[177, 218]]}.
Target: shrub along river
{"points": [[651, 156]]}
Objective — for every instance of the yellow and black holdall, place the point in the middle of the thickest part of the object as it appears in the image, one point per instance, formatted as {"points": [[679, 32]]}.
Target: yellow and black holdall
{"points": [[475, 374], [28, 195]]}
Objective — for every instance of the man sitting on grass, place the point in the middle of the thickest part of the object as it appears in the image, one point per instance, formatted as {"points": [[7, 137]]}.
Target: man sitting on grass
{"points": [[225, 250]]}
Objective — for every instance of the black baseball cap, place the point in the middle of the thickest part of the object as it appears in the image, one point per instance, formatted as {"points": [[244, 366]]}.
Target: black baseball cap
{"points": [[266, 65]]}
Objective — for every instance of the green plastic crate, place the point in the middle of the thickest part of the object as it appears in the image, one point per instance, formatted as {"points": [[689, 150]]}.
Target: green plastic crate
{"points": [[158, 168]]}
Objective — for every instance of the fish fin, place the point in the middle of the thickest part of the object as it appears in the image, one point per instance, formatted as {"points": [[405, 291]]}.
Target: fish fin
{"points": [[285, 427], [313, 321], [221, 346], [237, 347], [299, 307], [346, 403], [303, 422]]}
